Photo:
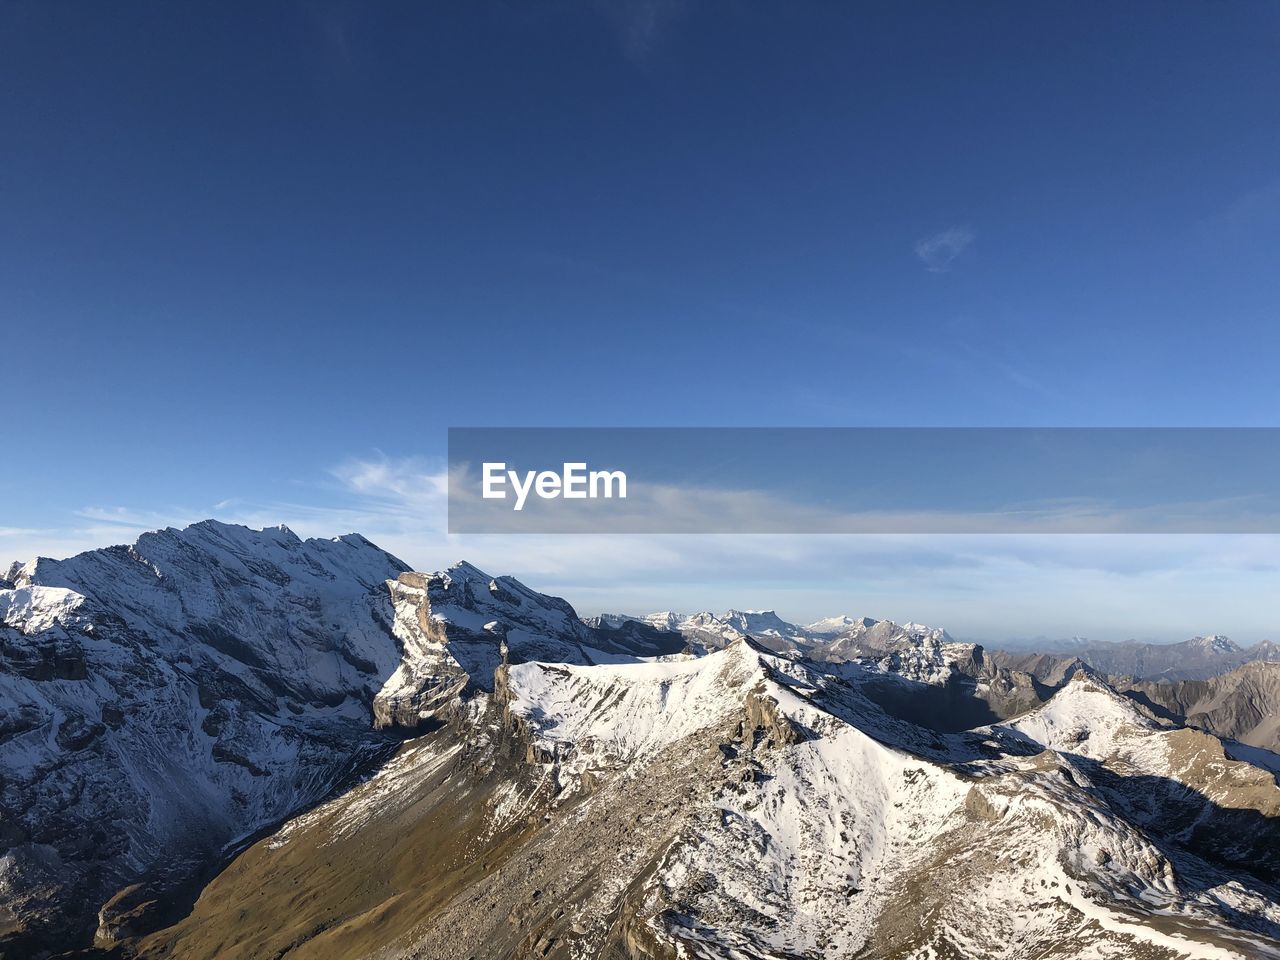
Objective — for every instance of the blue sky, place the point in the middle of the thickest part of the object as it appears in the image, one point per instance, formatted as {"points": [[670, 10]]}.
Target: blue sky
{"points": [[255, 258]]}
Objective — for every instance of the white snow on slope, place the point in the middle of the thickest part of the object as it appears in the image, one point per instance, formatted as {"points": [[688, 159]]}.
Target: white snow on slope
{"points": [[610, 715], [182, 692], [840, 830], [1085, 718], [32, 609]]}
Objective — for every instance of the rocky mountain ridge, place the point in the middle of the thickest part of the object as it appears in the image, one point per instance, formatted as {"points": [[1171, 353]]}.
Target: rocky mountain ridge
{"points": [[1242, 705], [352, 759], [748, 804], [162, 701], [1195, 659], [159, 702]]}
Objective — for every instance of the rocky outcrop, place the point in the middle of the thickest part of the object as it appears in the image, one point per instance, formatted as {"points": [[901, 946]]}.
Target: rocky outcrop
{"points": [[765, 724], [1242, 705], [129, 913], [430, 676]]}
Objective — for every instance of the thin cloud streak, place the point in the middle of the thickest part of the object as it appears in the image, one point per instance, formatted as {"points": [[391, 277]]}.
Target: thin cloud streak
{"points": [[641, 25], [940, 251]]}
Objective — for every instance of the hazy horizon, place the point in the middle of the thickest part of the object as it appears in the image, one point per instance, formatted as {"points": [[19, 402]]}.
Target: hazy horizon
{"points": [[643, 575]]}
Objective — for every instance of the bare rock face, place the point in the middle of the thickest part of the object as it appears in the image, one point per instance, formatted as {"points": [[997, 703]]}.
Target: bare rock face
{"points": [[766, 723], [1242, 705], [1199, 658], [430, 677], [456, 627], [130, 912], [1050, 669]]}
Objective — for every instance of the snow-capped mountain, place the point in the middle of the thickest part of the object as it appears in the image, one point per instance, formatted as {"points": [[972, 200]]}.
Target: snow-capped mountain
{"points": [[704, 631], [768, 628], [881, 638], [454, 765], [744, 804], [831, 626], [835, 638], [160, 702], [707, 631]]}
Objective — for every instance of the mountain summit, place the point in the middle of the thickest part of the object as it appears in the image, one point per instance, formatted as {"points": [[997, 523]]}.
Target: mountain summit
{"points": [[175, 696]]}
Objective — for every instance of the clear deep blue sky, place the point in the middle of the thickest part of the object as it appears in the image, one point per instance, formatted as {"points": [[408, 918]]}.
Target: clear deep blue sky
{"points": [[242, 244]]}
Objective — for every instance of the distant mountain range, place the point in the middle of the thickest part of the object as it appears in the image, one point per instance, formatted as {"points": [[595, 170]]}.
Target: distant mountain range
{"points": [[228, 743], [1241, 705], [843, 637], [1196, 659]]}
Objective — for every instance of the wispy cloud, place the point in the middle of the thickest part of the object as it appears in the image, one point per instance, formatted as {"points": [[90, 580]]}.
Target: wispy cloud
{"points": [[1015, 374], [940, 250], [17, 531], [415, 482], [135, 519], [1257, 206], [641, 24]]}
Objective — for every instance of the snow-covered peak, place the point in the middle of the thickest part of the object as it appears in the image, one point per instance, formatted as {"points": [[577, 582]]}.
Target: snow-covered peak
{"points": [[16, 574], [617, 714], [186, 689], [1265, 650], [611, 621], [921, 630], [282, 595], [758, 623], [830, 626], [202, 552], [704, 630], [1215, 644], [467, 599], [464, 571], [32, 609], [763, 615], [879, 638], [1084, 717]]}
